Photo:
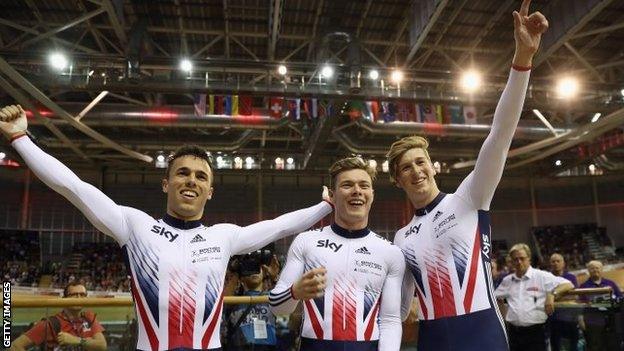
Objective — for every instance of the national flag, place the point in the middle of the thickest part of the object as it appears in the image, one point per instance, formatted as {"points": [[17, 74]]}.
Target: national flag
{"points": [[428, 113], [199, 104], [355, 109], [456, 113], [325, 108], [234, 105], [218, 105], [373, 107], [275, 107], [211, 104], [227, 105], [470, 114], [294, 109], [439, 113], [388, 111], [245, 105]]}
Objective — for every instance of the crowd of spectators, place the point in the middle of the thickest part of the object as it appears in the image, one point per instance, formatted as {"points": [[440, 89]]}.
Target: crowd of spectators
{"points": [[568, 240], [100, 267]]}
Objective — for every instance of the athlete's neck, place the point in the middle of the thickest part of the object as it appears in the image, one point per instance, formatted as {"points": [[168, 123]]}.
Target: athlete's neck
{"points": [[182, 217], [349, 233], [351, 225], [420, 200], [179, 223]]}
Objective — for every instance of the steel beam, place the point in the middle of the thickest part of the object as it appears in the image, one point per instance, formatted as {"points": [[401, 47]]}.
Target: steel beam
{"points": [[41, 97], [424, 14], [275, 21], [584, 62], [116, 18], [23, 100], [571, 16]]}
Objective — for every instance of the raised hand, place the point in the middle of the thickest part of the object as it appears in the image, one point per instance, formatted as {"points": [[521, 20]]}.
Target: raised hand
{"points": [[325, 196], [528, 30], [311, 285], [13, 121]]}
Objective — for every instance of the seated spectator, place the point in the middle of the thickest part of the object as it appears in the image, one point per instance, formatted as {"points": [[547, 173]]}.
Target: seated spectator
{"points": [[71, 327], [597, 333]]}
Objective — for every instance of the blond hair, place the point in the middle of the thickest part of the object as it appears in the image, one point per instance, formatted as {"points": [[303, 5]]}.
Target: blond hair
{"points": [[400, 147], [347, 164], [594, 263], [520, 246]]}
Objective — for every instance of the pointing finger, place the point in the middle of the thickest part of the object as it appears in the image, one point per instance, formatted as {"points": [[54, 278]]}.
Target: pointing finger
{"points": [[524, 8]]}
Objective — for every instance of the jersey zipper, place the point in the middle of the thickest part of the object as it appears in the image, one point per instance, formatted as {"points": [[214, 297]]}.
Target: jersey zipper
{"points": [[344, 319], [184, 259]]}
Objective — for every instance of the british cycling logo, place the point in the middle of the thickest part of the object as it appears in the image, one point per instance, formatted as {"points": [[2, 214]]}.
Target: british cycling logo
{"points": [[162, 232], [413, 230], [328, 244]]}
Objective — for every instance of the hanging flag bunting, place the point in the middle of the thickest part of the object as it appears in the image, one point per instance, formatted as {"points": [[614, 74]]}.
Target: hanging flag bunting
{"points": [[211, 104], [199, 104], [456, 113], [428, 113], [470, 114], [294, 109], [275, 107], [245, 105], [388, 111]]}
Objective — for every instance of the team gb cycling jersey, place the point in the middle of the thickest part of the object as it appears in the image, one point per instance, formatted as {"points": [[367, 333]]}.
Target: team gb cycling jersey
{"points": [[360, 309], [177, 268], [447, 246]]}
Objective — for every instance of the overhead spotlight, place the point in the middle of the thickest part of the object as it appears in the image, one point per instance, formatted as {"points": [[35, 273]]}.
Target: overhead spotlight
{"points": [[596, 116], [91, 73], [622, 92], [558, 163], [373, 74], [238, 163], [592, 169], [290, 160], [567, 87], [279, 163], [58, 61], [470, 80], [282, 69], [327, 71], [186, 65], [219, 159], [249, 160], [161, 160], [385, 166], [2, 155], [396, 76], [372, 164]]}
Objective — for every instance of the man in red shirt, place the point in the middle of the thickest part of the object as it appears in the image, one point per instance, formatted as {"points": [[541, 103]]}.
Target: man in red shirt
{"points": [[71, 328]]}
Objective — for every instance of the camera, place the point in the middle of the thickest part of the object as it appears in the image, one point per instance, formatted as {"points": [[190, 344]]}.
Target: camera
{"points": [[249, 264]]}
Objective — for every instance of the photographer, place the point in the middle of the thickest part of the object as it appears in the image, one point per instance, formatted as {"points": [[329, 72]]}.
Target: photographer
{"points": [[252, 327]]}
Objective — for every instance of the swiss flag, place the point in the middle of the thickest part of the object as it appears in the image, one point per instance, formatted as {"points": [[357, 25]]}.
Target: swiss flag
{"points": [[275, 107]]}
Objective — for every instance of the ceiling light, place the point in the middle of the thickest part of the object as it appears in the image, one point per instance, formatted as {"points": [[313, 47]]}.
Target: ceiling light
{"points": [[596, 116], [2, 156], [385, 166], [622, 92], [249, 160], [58, 61], [327, 71], [567, 87], [396, 76], [592, 168], [558, 163], [290, 160], [373, 74], [186, 65], [372, 164], [282, 69], [160, 158], [470, 81]]}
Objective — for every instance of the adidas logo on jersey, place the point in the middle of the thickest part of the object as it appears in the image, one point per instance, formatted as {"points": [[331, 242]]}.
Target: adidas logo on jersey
{"points": [[363, 250], [437, 215], [197, 239]]}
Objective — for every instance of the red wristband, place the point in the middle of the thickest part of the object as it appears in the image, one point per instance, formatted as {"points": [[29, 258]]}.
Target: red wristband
{"points": [[521, 68], [15, 137]]}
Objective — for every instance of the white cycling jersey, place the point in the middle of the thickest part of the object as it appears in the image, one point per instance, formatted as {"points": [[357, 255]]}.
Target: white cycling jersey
{"points": [[447, 244], [177, 267], [362, 298]]}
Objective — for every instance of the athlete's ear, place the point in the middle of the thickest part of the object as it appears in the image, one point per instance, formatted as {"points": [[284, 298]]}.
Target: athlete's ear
{"points": [[165, 185], [210, 192]]}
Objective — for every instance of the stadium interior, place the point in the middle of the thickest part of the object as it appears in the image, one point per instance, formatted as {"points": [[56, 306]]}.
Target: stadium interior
{"points": [[277, 90]]}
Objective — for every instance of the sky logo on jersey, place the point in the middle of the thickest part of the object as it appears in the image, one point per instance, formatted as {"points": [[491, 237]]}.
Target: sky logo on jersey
{"points": [[328, 244], [363, 250], [197, 239], [162, 232], [486, 245], [413, 230]]}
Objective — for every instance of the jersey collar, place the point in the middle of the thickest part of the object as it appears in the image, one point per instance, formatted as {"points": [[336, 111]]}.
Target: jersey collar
{"points": [[180, 223], [423, 211], [350, 234]]}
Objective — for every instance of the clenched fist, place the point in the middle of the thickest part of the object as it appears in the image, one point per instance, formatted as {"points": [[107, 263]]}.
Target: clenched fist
{"points": [[311, 285], [13, 121]]}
